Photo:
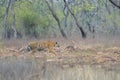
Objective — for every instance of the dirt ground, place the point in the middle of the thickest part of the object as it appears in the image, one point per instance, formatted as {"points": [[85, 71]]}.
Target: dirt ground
{"points": [[71, 52]]}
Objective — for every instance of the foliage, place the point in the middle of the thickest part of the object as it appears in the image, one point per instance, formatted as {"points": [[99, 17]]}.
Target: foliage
{"points": [[34, 19], [88, 6]]}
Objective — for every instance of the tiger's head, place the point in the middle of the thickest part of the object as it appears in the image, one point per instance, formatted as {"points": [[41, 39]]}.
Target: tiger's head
{"points": [[52, 44]]}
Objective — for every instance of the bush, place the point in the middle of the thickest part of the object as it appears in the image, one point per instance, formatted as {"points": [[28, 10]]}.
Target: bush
{"points": [[30, 24]]}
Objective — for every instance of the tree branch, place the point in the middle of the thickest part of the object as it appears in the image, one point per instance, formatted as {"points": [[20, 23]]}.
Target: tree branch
{"points": [[118, 6], [76, 21]]}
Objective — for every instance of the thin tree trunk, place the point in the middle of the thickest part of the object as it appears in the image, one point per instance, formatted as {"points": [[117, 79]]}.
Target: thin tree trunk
{"points": [[5, 29], [66, 14], [14, 19], [56, 18], [76, 21]]}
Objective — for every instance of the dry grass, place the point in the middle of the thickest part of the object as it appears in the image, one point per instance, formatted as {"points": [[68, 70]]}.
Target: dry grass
{"points": [[63, 66], [90, 50]]}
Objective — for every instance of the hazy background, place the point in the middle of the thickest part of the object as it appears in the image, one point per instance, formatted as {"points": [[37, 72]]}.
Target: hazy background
{"points": [[59, 18]]}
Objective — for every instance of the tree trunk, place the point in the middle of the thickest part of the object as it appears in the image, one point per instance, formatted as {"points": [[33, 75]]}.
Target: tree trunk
{"points": [[5, 29], [14, 19], [76, 21], [56, 18], [66, 14]]}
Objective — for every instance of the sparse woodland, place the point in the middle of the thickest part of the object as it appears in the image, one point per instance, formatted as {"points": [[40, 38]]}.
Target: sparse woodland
{"points": [[59, 18]]}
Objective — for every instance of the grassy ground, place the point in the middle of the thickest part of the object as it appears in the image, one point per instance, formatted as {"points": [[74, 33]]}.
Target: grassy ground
{"points": [[72, 53], [83, 51]]}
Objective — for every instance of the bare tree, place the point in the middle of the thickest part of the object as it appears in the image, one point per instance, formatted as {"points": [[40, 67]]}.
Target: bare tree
{"points": [[51, 8], [76, 21]]}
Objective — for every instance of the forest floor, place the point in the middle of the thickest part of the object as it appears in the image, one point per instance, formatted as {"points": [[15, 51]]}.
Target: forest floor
{"points": [[70, 53]]}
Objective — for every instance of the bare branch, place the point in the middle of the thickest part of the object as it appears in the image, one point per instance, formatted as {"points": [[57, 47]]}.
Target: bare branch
{"points": [[51, 8], [118, 6]]}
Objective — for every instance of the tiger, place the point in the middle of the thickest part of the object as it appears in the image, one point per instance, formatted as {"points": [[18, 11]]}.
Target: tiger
{"points": [[42, 46]]}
